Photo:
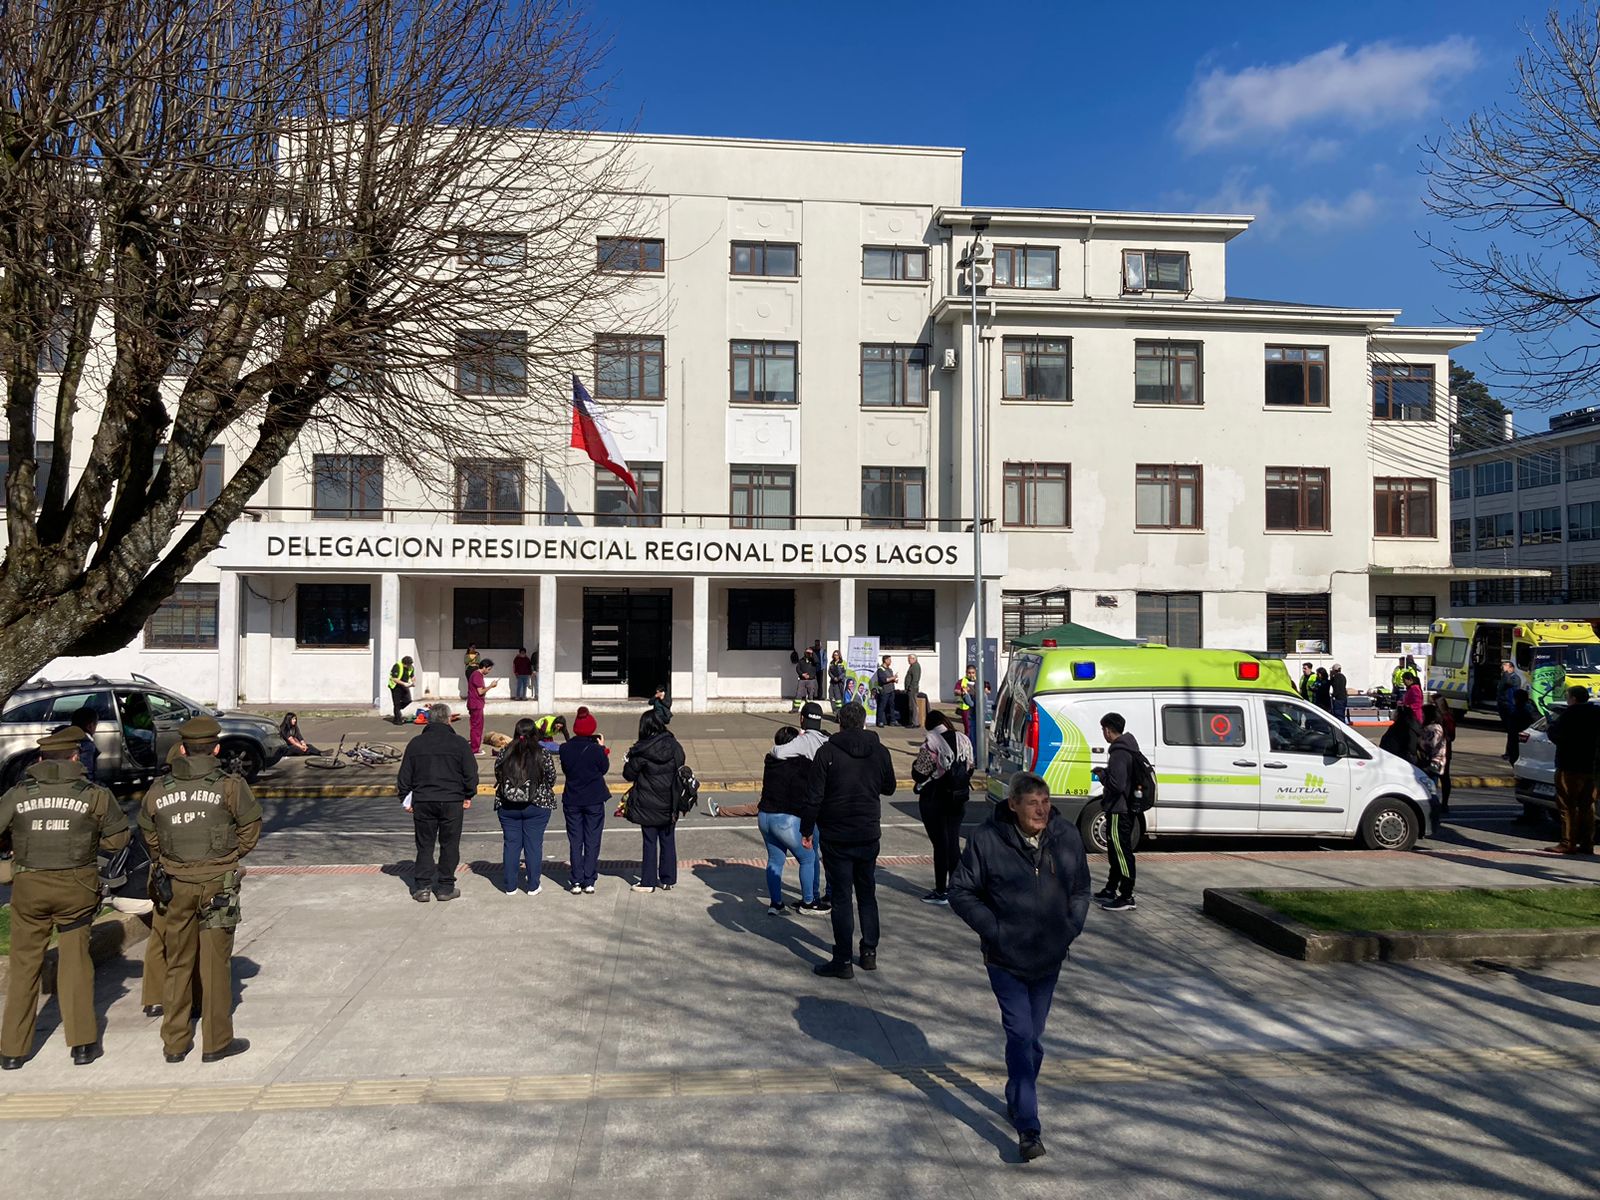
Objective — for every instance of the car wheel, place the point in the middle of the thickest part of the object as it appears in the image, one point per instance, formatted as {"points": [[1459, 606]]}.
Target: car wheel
{"points": [[242, 758], [1389, 824], [1092, 827], [12, 775]]}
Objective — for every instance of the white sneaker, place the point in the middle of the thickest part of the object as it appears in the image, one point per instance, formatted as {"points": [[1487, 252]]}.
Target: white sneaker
{"points": [[640, 887], [512, 892], [132, 905], [589, 891], [536, 891], [576, 890]]}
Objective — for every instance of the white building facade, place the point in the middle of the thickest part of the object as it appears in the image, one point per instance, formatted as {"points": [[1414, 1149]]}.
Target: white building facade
{"points": [[1162, 460]]}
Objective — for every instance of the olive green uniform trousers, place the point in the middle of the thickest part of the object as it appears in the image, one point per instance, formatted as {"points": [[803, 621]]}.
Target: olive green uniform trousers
{"points": [[41, 902], [186, 945]]}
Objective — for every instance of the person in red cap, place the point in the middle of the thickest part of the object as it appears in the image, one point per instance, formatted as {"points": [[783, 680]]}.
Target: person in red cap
{"points": [[584, 762]]}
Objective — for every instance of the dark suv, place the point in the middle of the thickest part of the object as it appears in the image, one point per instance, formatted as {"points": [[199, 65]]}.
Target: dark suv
{"points": [[139, 722]]}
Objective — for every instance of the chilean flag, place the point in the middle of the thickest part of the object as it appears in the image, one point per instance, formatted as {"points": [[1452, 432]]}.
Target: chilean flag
{"points": [[589, 434]]}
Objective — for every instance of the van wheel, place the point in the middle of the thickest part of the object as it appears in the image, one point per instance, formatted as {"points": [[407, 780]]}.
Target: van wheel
{"points": [[1092, 828], [1390, 824]]}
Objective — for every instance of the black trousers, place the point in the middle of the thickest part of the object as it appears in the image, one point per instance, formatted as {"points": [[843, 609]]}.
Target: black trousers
{"points": [[399, 696], [852, 871], [942, 815], [437, 820], [1119, 849]]}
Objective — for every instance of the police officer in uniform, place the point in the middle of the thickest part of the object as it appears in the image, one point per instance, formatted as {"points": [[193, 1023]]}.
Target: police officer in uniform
{"points": [[200, 821], [58, 822]]}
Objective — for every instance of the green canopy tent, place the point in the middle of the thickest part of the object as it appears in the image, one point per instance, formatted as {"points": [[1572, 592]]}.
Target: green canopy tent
{"points": [[1068, 635]]}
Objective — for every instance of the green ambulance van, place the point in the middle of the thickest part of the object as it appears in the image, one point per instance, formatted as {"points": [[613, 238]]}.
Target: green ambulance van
{"points": [[1235, 749]]}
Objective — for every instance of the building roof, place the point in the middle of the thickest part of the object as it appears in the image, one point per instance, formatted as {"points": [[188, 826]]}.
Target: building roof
{"points": [[1229, 224]]}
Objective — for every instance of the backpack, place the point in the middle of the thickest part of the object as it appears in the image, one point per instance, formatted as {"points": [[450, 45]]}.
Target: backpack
{"points": [[688, 790], [1143, 798]]}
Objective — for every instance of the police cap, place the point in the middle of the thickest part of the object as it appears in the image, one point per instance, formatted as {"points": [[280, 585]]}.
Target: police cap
{"points": [[63, 740], [201, 731]]}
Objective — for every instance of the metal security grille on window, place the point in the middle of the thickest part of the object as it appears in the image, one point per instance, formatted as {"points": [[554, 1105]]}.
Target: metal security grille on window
{"points": [[186, 620], [1023, 613], [1403, 619], [764, 372], [1166, 372], [1037, 368], [1292, 619], [1402, 392], [760, 619]]}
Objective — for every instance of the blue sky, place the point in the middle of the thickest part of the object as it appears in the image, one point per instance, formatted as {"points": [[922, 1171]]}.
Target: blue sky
{"points": [[1310, 116]]}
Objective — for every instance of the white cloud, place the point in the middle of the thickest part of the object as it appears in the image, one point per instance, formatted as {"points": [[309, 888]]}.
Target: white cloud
{"points": [[1239, 193], [1369, 86], [1319, 214]]}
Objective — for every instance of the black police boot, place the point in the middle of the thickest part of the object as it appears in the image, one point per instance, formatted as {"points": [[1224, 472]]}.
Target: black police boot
{"points": [[180, 1055], [835, 969], [82, 1056], [9, 1062], [237, 1046]]}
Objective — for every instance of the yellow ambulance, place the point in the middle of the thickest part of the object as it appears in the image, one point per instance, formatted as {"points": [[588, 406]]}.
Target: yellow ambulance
{"points": [[1464, 663]]}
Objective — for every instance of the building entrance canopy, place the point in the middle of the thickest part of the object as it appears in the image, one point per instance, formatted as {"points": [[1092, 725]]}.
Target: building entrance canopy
{"points": [[359, 546]]}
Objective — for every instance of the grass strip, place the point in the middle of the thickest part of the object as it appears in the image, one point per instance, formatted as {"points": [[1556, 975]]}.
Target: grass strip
{"points": [[1376, 909]]}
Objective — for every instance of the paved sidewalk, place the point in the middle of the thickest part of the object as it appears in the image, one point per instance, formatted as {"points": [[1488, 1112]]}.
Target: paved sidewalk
{"points": [[677, 1045]]}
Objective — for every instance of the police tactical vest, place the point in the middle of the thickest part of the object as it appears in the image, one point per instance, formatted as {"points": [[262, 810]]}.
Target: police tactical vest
{"points": [[56, 823], [192, 818]]}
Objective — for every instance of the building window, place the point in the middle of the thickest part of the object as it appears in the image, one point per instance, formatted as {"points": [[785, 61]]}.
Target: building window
{"points": [[201, 498], [489, 491], [1540, 526], [1038, 368], [185, 620], [631, 256], [760, 619], [1460, 595], [1298, 624], [1494, 591], [1461, 535], [1403, 619], [894, 376], [1166, 372], [1583, 582], [492, 362], [761, 497], [500, 250], [1025, 267], [1495, 531], [348, 487], [1155, 271], [488, 617], [1297, 376], [628, 368], [1038, 495], [1167, 497], [1543, 591], [1024, 613], [614, 504], [1402, 508], [1401, 392], [1460, 483], [1539, 470], [1297, 498], [1170, 618], [1583, 522], [333, 614], [764, 372], [894, 262], [893, 497], [1492, 478], [1583, 461], [765, 258], [901, 618]]}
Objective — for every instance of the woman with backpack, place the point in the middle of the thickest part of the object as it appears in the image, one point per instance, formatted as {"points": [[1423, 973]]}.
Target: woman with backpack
{"points": [[942, 779], [524, 798], [652, 766]]}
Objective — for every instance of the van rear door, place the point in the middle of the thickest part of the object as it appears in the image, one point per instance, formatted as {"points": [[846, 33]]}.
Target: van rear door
{"points": [[1208, 770]]}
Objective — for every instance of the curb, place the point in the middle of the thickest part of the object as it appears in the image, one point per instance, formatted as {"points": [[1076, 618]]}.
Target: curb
{"points": [[109, 937], [386, 791], [1270, 928], [1483, 781]]}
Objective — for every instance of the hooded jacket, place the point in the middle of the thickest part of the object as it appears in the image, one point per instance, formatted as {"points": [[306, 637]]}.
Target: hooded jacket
{"points": [[785, 783], [438, 765], [652, 766], [1117, 781], [849, 778], [1026, 906], [584, 762]]}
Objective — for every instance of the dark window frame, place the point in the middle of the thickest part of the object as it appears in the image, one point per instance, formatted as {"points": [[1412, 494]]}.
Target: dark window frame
{"points": [[492, 362], [756, 358], [1173, 354], [1489, 537], [1460, 535], [749, 628], [1187, 276], [1384, 405], [492, 513], [1422, 611], [911, 362], [1176, 479], [900, 257], [481, 606], [1017, 257], [1027, 476], [780, 479], [650, 478], [1306, 365], [485, 248], [1580, 529], [636, 351], [630, 256], [760, 250], [1526, 479], [895, 617], [360, 470], [1304, 484], [899, 481], [1489, 480], [1393, 504], [1463, 476], [1527, 536], [345, 593], [1027, 349], [1144, 599], [187, 613]]}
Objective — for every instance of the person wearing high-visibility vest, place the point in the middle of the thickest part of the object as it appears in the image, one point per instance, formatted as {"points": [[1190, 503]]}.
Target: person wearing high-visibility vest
{"points": [[965, 699], [401, 676]]}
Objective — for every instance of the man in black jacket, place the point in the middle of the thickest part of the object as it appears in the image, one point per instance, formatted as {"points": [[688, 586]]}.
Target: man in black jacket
{"points": [[1023, 885], [849, 778], [440, 775], [1575, 730], [1117, 783]]}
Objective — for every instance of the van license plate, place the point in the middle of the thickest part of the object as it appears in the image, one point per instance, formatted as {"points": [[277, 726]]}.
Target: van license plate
{"points": [[1544, 789]]}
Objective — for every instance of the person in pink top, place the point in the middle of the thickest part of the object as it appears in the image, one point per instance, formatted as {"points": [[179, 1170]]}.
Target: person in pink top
{"points": [[1412, 697], [477, 696]]}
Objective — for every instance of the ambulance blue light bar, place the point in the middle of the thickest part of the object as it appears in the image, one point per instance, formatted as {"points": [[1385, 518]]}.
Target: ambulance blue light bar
{"points": [[1083, 670]]}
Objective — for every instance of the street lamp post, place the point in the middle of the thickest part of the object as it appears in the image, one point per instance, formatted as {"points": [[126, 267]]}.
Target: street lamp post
{"points": [[980, 742]]}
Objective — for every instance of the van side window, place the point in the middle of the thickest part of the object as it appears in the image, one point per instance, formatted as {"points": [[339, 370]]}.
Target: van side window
{"points": [[1202, 725], [1450, 652], [1295, 730]]}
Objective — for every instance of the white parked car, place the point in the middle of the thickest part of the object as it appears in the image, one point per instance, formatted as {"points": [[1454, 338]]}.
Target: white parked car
{"points": [[1535, 770]]}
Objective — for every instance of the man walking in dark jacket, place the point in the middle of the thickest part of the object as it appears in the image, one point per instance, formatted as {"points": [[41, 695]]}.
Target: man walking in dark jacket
{"points": [[1575, 730], [849, 778], [1023, 885], [1117, 782], [440, 775]]}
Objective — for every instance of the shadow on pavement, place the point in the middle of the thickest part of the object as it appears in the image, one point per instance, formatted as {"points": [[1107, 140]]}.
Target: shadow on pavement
{"points": [[739, 905]]}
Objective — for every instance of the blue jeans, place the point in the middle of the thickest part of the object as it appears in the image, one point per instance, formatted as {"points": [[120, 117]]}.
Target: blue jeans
{"points": [[523, 683], [1024, 1008], [781, 833], [1340, 709], [524, 839], [584, 825]]}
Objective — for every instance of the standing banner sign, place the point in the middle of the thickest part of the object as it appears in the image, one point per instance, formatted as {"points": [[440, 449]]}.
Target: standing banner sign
{"points": [[861, 657]]}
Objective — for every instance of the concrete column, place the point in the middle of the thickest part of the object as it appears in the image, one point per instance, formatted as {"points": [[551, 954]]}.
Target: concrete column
{"points": [[847, 610], [228, 640], [388, 645], [544, 680], [700, 655]]}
